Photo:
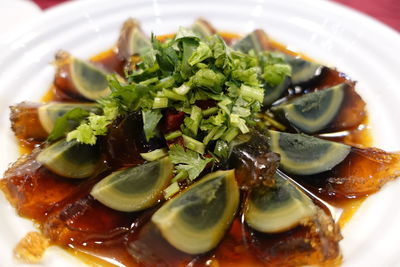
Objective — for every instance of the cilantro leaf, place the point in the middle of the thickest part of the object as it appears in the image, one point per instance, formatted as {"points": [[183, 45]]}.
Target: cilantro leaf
{"points": [[166, 56], [188, 47], [184, 33], [188, 160], [95, 124], [213, 121], [248, 76], [275, 67], [270, 58], [202, 52], [150, 120], [67, 122], [208, 79], [87, 132], [274, 74], [83, 134], [220, 53], [127, 96]]}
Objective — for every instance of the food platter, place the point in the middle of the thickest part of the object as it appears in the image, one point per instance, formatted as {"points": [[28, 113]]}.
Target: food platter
{"points": [[326, 32]]}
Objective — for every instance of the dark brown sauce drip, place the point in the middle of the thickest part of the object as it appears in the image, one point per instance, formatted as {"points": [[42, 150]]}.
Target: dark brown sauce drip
{"points": [[312, 243], [363, 172], [72, 218], [253, 166], [359, 137]]}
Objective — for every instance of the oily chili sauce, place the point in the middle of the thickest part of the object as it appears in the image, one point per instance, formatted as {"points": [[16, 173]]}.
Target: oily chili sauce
{"points": [[73, 219]]}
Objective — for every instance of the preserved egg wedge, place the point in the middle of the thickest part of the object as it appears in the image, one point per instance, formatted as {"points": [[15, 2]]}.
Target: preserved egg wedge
{"points": [[303, 71], [49, 113], [257, 41], [273, 93], [78, 78], [277, 208], [306, 155], [134, 188], [90, 81], [203, 28], [335, 109], [196, 220], [132, 40], [71, 159]]}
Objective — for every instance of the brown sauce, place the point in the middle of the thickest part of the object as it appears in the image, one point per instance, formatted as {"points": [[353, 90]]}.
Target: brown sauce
{"points": [[72, 219]]}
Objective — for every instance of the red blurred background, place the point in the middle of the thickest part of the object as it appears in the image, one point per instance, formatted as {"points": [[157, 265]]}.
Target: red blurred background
{"points": [[386, 11]]}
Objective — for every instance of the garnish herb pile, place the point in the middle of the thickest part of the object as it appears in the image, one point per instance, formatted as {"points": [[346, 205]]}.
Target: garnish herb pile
{"points": [[218, 89]]}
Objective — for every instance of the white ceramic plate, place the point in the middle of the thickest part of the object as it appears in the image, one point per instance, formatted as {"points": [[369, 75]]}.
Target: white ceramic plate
{"points": [[359, 46], [9, 19]]}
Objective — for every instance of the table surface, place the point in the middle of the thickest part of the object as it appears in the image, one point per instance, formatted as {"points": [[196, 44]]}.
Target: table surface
{"points": [[386, 11]]}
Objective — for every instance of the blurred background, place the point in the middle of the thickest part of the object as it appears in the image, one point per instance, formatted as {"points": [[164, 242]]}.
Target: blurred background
{"points": [[15, 12]]}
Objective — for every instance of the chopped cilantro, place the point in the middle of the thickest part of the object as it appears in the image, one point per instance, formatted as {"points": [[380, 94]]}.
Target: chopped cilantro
{"points": [[67, 122], [208, 79], [83, 134], [179, 74], [274, 74], [150, 121], [202, 52], [193, 122], [188, 160], [184, 33], [94, 124], [275, 68]]}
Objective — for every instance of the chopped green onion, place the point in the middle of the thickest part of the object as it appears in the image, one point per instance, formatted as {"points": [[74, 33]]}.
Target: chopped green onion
{"points": [[165, 83], [224, 103], [172, 95], [172, 135], [155, 154], [230, 134], [182, 90], [241, 111], [195, 119], [210, 135], [149, 81], [201, 65], [182, 175], [210, 111], [193, 144], [171, 190], [219, 133], [160, 102], [239, 122], [252, 93]]}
